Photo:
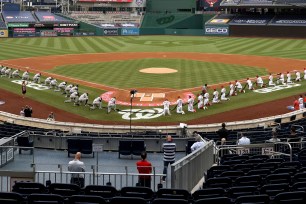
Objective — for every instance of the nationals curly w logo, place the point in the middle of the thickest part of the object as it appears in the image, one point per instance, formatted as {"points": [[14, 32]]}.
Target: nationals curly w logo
{"points": [[140, 114]]}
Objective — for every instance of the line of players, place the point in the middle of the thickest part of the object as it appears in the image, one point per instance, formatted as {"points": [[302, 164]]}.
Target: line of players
{"points": [[203, 98], [71, 91]]}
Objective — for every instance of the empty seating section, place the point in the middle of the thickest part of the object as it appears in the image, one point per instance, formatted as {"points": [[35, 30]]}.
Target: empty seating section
{"points": [[68, 193], [102, 19]]}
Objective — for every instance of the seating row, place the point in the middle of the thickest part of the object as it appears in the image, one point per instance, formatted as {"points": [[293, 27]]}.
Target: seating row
{"points": [[296, 197]]}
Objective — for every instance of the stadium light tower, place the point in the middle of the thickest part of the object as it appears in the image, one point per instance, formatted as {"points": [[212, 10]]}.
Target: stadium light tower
{"points": [[132, 92]]}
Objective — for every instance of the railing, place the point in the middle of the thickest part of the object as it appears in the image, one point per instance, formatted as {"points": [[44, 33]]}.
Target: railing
{"points": [[274, 150], [188, 171], [118, 180]]}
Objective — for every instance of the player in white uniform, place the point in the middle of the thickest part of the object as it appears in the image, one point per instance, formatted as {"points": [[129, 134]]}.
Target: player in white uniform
{"points": [[239, 86], [260, 82], [179, 106], [74, 88], [190, 104], [16, 74], [48, 80], [223, 94], [206, 95], [25, 76], [61, 86], [289, 78], [83, 99], [8, 72], [215, 96], [3, 71], [53, 83], [271, 83], [298, 76], [97, 102], [200, 101], [305, 73], [232, 89], [206, 103], [36, 78], [250, 84], [301, 102], [67, 89], [111, 105], [281, 79], [73, 97], [166, 104]]}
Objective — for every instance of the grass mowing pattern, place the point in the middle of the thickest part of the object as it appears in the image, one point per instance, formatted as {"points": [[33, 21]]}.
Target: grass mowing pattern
{"points": [[26, 47], [190, 73]]}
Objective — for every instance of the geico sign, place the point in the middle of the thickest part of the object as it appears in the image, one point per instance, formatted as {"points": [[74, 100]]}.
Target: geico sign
{"points": [[216, 30]]}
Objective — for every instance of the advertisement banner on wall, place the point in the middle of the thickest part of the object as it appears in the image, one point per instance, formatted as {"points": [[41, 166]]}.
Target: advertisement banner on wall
{"points": [[18, 25], [110, 31], [130, 31], [3, 33], [216, 30]]}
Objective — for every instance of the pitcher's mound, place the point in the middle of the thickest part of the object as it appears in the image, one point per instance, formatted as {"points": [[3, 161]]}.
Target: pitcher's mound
{"points": [[154, 70]]}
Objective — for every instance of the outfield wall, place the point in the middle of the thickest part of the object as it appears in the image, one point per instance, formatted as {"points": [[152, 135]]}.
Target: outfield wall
{"points": [[267, 31]]}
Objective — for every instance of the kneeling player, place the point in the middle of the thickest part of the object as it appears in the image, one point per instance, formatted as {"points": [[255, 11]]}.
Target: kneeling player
{"points": [[97, 102]]}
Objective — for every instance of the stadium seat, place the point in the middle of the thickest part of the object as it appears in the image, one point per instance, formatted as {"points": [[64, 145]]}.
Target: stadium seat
{"points": [[274, 189], [11, 198], [208, 193], [243, 167], [63, 189], [85, 199], [139, 192], [294, 164], [103, 191], [254, 180], [173, 193], [169, 201], [278, 178], [125, 200], [258, 199], [218, 182], [232, 174], [45, 198], [25, 142], [290, 171], [237, 191], [299, 186], [267, 165], [296, 197], [223, 200], [260, 172], [27, 188], [215, 171], [299, 177]]}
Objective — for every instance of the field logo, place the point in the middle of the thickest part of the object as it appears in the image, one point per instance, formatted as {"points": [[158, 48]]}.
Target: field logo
{"points": [[276, 88], [140, 114], [139, 2], [211, 2], [32, 85]]}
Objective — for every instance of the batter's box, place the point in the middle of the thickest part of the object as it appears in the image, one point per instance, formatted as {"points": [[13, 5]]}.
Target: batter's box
{"points": [[145, 97]]}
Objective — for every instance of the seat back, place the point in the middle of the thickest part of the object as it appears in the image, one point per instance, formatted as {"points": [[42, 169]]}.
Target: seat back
{"points": [[79, 199], [125, 200], [45, 198], [258, 199], [274, 189], [296, 197], [24, 142], [138, 146], [237, 191], [254, 180], [11, 198], [208, 193], [223, 200], [278, 178], [63, 189], [27, 188], [139, 192], [173, 193], [103, 191], [86, 146], [125, 147], [222, 182]]}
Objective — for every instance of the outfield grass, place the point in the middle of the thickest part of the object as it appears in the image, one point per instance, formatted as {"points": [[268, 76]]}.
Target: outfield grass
{"points": [[191, 73]]}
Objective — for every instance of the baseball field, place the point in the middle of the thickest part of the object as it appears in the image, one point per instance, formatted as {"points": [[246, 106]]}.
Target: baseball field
{"points": [[159, 67]]}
